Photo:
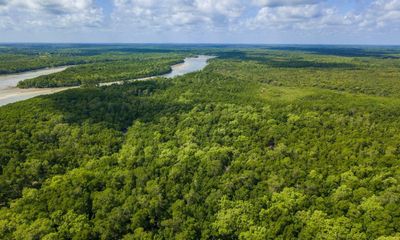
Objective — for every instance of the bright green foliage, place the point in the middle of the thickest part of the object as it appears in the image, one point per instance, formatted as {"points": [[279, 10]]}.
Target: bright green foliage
{"points": [[237, 151]]}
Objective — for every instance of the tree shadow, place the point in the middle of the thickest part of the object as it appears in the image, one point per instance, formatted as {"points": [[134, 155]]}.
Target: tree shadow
{"points": [[377, 52], [282, 61], [116, 106]]}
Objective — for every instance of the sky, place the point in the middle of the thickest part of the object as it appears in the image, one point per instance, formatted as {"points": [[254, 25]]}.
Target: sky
{"points": [[374, 22]]}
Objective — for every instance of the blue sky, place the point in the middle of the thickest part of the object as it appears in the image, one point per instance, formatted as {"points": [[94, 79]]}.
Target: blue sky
{"points": [[201, 21]]}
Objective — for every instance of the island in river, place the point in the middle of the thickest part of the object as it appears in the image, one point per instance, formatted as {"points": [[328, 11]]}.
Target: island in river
{"points": [[10, 93]]}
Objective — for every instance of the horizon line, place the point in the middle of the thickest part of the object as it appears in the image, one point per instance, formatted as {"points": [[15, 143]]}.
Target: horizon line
{"points": [[204, 43]]}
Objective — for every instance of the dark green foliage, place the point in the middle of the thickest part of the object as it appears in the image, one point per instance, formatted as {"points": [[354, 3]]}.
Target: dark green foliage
{"points": [[20, 58], [241, 150], [112, 71], [346, 51]]}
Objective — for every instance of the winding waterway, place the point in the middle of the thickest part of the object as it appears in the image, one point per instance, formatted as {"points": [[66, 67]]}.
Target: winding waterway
{"points": [[9, 93], [190, 65]]}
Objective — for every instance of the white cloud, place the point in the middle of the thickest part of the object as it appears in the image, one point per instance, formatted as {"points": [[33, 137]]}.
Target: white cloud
{"points": [[58, 7], [393, 5], [285, 17], [380, 14], [51, 13], [302, 15], [227, 8], [5, 22], [177, 14], [385, 12], [147, 15], [279, 3], [202, 17]]}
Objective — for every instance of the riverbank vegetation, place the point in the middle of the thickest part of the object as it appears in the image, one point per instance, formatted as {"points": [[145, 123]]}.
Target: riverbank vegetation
{"points": [[91, 74], [262, 144], [16, 58]]}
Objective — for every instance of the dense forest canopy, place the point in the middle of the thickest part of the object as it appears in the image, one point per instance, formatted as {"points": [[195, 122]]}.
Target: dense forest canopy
{"points": [[127, 68], [264, 143]]}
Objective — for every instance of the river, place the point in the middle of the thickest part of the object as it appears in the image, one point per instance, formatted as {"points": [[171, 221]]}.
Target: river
{"points": [[191, 64], [9, 93]]}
